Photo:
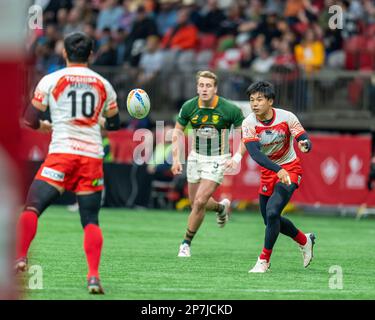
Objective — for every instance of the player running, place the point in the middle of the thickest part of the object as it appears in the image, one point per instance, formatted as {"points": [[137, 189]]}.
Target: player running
{"points": [[211, 117], [78, 99], [268, 134]]}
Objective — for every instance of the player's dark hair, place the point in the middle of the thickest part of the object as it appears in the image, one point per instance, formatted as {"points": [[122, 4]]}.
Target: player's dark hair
{"points": [[78, 47], [264, 87]]}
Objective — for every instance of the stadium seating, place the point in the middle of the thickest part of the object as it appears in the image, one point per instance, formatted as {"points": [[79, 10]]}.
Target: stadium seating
{"points": [[352, 49], [367, 55], [207, 41]]}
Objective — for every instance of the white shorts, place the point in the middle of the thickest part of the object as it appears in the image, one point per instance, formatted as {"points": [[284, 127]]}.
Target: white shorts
{"points": [[206, 167]]}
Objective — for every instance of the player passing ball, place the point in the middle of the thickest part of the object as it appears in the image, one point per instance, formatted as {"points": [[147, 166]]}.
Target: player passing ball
{"points": [[268, 135], [80, 103]]}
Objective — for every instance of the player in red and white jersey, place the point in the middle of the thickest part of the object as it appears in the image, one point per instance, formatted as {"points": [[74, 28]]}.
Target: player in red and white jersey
{"points": [[80, 103], [77, 97], [268, 134]]}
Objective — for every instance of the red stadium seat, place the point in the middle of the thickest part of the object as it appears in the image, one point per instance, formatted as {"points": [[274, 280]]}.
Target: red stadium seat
{"points": [[370, 30], [352, 49], [367, 55], [207, 41]]}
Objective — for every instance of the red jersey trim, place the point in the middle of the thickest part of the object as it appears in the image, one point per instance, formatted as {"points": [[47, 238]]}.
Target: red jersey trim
{"points": [[113, 105], [300, 134], [246, 140], [273, 119]]}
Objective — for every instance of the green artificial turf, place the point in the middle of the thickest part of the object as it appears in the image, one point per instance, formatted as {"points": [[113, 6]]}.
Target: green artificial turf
{"points": [[139, 259]]}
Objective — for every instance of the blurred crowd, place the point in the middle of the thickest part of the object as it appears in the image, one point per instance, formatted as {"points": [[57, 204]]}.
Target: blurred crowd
{"points": [[217, 34]]}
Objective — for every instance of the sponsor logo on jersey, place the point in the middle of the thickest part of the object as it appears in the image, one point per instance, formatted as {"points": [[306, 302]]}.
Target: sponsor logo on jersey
{"points": [[204, 119], [81, 79], [195, 119], [97, 182], [53, 174], [215, 118], [264, 189]]}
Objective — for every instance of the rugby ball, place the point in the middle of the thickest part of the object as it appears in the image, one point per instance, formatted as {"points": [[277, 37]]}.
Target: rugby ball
{"points": [[138, 103]]}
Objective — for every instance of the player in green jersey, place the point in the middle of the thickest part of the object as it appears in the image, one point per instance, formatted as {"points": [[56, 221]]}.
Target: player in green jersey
{"points": [[211, 118]]}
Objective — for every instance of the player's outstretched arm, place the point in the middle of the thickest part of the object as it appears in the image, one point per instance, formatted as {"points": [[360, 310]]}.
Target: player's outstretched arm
{"points": [[232, 163], [178, 134], [304, 143]]}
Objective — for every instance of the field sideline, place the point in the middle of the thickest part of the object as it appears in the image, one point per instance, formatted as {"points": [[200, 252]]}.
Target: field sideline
{"points": [[139, 260]]}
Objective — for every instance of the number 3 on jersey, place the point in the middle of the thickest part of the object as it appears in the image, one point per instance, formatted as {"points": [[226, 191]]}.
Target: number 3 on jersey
{"points": [[87, 103]]}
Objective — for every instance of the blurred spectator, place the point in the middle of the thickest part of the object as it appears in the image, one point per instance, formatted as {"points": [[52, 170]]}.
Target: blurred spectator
{"points": [[292, 10], [167, 16], [74, 21], [240, 33], [47, 60], [284, 62], [310, 52], [194, 11], [284, 55], [210, 17], [127, 16], [274, 6], [369, 11], [143, 27], [183, 36], [264, 62], [350, 25], [106, 54], [62, 19], [247, 56], [300, 12], [109, 15], [151, 61], [254, 11], [333, 44], [51, 7], [268, 28], [230, 25], [89, 29], [120, 45]]}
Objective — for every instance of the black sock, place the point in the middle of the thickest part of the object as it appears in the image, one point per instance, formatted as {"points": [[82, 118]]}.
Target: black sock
{"points": [[189, 235], [221, 209]]}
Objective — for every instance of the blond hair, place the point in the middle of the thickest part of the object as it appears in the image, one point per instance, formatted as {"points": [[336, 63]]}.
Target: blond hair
{"points": [[207, 74]]}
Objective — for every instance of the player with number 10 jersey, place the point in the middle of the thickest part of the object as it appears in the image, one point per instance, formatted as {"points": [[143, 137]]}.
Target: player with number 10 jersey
{"points": [[80, 102]]}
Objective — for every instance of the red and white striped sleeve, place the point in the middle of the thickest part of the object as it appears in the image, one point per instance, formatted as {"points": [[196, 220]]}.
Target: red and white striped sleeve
{"points": [[248, 131], [111, 102], [295, 126], [41, 93]]}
